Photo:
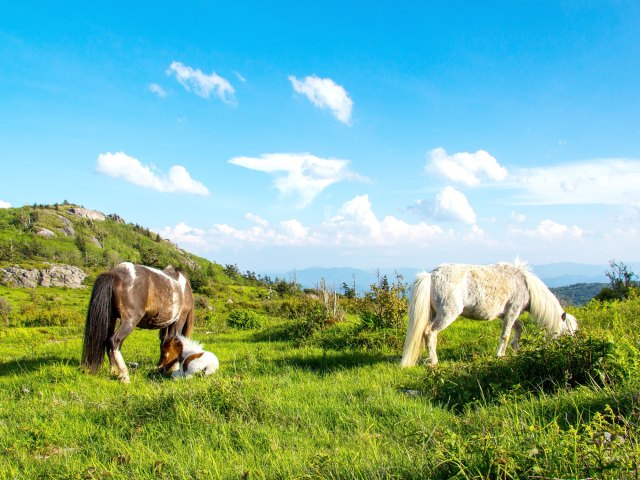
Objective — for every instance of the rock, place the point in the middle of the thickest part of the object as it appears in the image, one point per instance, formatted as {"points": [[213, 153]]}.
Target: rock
{"points": [[46, 233], [116, 218], [52, 276], [67, 226], [86, 213], [95, 241]]}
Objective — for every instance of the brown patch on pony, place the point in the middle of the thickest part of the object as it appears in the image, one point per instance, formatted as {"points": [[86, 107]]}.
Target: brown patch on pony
{"points": [[189, 359], [172, 349]]}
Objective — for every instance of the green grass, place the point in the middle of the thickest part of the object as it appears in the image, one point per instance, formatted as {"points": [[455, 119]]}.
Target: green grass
{"points": [[279, 409]]}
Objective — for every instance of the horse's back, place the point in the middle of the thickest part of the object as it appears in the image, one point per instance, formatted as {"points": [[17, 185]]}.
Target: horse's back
{"points": [[479, 291]]}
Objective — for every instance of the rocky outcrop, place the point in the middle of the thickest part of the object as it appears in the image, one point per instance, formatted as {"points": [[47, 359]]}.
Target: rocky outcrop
{"points": [[46, 233], [86, 213], [51, 276], [116, 218], [67, 226]]}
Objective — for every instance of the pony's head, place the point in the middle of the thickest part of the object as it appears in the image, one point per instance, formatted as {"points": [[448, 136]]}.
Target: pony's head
{"points": [[569, 324], [170, 352]]}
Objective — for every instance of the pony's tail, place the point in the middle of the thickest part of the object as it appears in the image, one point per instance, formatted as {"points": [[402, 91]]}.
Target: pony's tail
{"points": [[96, 328], [419, 316]]}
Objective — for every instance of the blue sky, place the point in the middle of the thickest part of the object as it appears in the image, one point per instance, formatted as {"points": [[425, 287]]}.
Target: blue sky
{"points": [[296, 134]]}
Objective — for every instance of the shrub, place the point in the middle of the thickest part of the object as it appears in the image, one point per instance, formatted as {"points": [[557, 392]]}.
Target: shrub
{"points": [[5, 310], [244, 319], [566, 362], [384, 305]]}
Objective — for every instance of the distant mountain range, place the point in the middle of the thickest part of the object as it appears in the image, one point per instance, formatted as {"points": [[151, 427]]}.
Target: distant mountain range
{"points": [[554, 275]]}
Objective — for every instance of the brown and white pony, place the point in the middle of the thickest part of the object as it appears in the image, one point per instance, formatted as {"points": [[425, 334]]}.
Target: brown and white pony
{"points": [[188, 355], [480, 292], [139, 296]]}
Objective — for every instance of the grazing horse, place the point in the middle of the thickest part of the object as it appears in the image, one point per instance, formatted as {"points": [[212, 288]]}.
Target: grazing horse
{"points": [[189, 355], [139, 296], [480, 292]]}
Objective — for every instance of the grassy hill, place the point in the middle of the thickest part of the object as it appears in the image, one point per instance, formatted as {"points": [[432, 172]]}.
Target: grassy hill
{"points": [[309, 384], [32, 235]]}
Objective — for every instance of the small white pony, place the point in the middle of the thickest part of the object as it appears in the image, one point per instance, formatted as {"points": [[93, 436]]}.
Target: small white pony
{"points": [[184, 357], [480, 292]]}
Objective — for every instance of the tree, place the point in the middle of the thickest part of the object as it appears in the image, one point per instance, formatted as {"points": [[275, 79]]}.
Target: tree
{"points": [[621, 281]]}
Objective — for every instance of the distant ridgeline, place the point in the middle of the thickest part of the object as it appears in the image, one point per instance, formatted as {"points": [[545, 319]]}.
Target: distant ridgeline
{"points": [[578, 294], [38, 238]]}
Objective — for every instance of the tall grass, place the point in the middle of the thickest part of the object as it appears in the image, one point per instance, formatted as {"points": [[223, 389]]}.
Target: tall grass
{"points": [[278, 408]]}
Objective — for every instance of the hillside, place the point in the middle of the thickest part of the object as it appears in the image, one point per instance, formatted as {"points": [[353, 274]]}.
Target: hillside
{"points": [[33, 236]]}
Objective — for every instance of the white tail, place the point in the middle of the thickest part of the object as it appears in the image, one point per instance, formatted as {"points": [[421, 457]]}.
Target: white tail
{"points": [[419, 317]]}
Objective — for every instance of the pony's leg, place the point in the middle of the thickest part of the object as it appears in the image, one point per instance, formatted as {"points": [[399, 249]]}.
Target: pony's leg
{"points": [[441, 321], [114, 344], [517, 331], [508, 321], [112, 358]]}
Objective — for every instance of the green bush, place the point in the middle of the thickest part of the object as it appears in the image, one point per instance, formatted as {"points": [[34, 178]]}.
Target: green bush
{"points": [[566, 362], [384, 305], [244, 319]]}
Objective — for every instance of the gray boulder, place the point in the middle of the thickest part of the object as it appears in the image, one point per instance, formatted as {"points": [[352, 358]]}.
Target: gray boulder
{"points": [[67, 226], [52, 276], [46, 233], [86, 213]]}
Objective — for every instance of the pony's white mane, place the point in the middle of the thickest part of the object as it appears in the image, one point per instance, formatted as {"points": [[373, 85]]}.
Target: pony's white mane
{"points": [[189, 346], [544, 307]]}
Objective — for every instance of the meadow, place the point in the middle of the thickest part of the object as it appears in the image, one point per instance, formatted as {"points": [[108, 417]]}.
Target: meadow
{"points": [[283, 406]]}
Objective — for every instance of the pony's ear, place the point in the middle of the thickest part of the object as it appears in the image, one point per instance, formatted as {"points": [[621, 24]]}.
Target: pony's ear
{"points": [[564, 315]]}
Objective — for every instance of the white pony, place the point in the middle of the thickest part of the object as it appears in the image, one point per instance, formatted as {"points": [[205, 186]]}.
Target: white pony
{"points": [[185, 357], [480, 292]]}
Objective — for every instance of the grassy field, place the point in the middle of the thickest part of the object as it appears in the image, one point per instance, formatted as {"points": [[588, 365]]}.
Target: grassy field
{"points": [[284, 409]]}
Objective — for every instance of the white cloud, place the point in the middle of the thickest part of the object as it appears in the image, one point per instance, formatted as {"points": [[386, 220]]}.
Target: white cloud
{"points": [[549, 230], [466, 168], [258, 220], [183, 234], [240, 77], [325, 93], [4, 204], [518, 217], [451, 204], [476, 233], [121, 165], [608, 181], [194, 80], [355, 225], [158, 90], [305, 175]]}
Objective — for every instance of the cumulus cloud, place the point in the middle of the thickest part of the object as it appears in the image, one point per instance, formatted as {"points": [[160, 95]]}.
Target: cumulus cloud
{"points": [[158, 90], [4, 204], [451, 204], [518, 217], [185, 235], [549, 230], [355, 224], [325, 93], [121, 165], [258, 220], [203, 85], [300, 174], [470, 169], [608, 181]]}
